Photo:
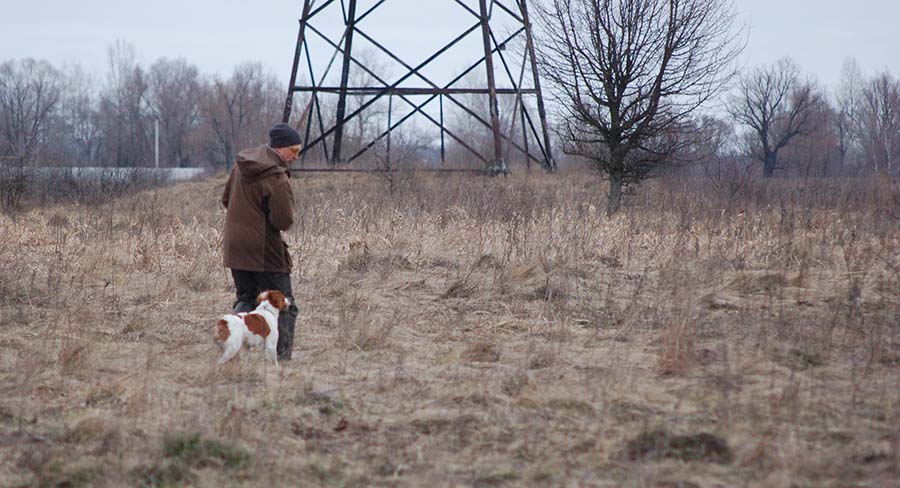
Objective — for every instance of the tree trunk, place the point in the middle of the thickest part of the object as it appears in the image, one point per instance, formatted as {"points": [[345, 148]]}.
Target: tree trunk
{"points": [[615, 191], [769, 165]]}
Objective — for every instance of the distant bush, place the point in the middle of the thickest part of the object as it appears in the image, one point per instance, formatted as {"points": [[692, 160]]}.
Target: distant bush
{"points": [[23, 187]]}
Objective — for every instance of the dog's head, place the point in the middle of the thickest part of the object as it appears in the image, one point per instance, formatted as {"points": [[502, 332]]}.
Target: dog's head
{"points": [[274, 297], [221, 332]]}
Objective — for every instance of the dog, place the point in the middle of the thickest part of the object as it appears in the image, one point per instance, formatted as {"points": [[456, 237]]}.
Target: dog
{"points": [[259, 327]]}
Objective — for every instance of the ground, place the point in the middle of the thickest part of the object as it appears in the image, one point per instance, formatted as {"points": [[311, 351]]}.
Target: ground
{"points": [[463, 331]]}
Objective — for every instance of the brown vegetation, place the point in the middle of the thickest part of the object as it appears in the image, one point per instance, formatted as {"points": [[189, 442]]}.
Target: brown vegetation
{"points": [[464, 331]]}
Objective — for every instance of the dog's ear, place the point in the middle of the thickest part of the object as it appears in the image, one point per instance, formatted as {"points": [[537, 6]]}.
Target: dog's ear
{"points": [[277, 299], [221, 332]]}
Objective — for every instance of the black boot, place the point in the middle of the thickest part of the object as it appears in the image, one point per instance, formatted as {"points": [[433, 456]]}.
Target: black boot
{"points": [[242, 306], [286, 322]]}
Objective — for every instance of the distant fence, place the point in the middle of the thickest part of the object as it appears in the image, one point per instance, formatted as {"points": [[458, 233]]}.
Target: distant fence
{"points": [[24, 185], [101, 173]]}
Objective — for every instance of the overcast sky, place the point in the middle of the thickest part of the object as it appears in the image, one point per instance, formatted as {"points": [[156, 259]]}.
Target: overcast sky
{"points": [[217, 35]]}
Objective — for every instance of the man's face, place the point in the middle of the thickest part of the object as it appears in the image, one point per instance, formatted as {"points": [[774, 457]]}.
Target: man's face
{"points": [[289, 154]]}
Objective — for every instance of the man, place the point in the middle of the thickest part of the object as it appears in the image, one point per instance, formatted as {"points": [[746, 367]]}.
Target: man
{"points": [[259, 205]]}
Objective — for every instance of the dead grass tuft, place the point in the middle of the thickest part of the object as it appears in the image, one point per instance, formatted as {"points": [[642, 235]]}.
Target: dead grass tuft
{"points": [[105, 395], [433, 423], [570, 405], [542, 360], [460, 289], [359, 258], [677, 353], [196, 451], [184, 454], [78, 475], [515, 384], [369, 336], [625, 411], [661, 444], [482, 351], [88, 430], [74, 356]]}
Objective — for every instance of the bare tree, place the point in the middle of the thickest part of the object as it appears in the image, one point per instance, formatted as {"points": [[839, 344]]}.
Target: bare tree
{"points": [[78, 138], [173, 93], [848, 107], [812, 153], [237, 111], [123, 109], [776, 104], [626, 72], [880, 122], [30, 91], [724, 167]]}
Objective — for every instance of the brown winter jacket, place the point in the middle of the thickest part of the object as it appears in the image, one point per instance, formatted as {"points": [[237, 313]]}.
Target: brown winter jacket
{"points": [[260, 204]]}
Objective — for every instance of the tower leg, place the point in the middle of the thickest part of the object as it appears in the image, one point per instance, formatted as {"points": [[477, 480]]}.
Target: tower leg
{"points": [[549, 162], [524, 135], [289, 103], [345, 75], [443, 146], [498, 163]]}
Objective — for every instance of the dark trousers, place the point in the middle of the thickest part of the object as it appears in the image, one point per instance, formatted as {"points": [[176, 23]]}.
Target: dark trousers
{"points": [[250, 284]]}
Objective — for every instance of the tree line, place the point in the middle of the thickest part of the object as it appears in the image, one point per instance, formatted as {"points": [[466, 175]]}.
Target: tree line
{"points": [[67, 117], [796, 126], [633, 83], [636, 83]]}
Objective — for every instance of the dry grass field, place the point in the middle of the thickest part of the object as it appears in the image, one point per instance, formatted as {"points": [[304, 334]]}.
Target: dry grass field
{"points": [[464, 332]]}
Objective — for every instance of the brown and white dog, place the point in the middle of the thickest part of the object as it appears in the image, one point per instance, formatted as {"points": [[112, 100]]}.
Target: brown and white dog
{"points": [[259, 327]]}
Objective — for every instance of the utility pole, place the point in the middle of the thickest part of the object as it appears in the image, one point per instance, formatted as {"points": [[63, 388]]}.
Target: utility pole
{"points": [[156, 140]]}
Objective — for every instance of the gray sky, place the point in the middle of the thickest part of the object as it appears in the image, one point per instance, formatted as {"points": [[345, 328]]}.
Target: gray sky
{"points": [[217, 35]]}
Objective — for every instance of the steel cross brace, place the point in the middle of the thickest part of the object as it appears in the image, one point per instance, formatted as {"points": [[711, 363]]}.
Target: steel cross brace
{"points": [[389, 90], [448, 93], [435, 91], [417, 108], [394, 85]]}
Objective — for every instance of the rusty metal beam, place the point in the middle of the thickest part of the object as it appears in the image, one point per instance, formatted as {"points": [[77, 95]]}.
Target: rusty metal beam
{"points": [[288, 105], [385, 170], [378, 90], [492, 86], [549, 162], [345, 75]]}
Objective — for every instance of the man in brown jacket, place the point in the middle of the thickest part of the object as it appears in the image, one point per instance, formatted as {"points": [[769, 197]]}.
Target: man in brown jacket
{"points": [[260, 205]]}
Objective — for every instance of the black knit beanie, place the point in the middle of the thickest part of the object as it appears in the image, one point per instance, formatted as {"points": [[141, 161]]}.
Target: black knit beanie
{"points": [[283, 135]]}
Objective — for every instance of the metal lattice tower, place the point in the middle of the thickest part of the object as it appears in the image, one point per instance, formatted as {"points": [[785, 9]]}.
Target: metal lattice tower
{"points": [[411, 86]]}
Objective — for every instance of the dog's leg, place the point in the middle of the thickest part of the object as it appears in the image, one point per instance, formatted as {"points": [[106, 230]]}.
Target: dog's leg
{"points": [[273, 355], [231, 348], [271, 347], [272, 352]]}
